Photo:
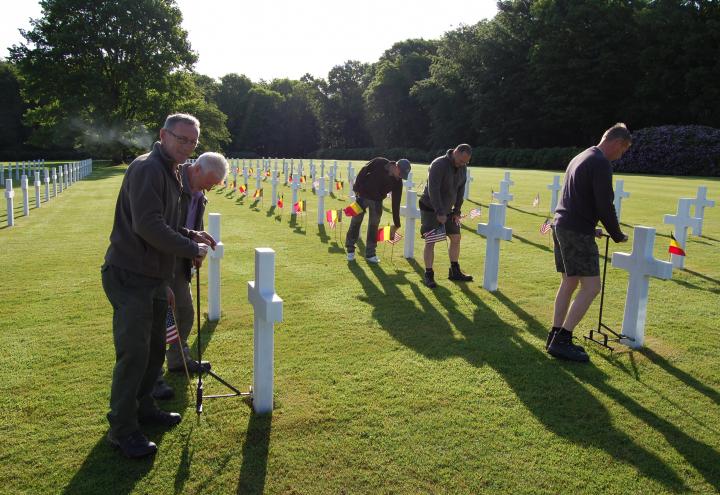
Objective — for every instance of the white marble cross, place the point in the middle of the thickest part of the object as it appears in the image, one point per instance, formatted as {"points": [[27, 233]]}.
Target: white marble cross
{"points": [[411, 213], [503, 195], [494, 231], [466, 194], [682, 220], [46, 179], [214, 267], [295, 186], [508, 179], [554, 187], [9, 195], [701, 202], [26, 199], [312, 172], [55, 181], [268, 308], [258, 178], [641, 265], [350, 173], [245, 175], [61, 183], [321, 193], [620, 194], [274, 181], [322, 168], [37, 189], [333, 173], [2, 175]]}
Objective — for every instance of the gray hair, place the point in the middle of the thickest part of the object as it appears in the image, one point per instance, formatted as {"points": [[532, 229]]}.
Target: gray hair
{"points": [[215, 163], [618, 131], [174, 118]]}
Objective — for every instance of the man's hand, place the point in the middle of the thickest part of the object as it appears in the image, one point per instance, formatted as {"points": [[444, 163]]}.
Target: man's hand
{"points": [[442, 219], [598, 233], [625, 238], [202, 252], [456, 219], [205, 238], [393, 229], [170, 297]]}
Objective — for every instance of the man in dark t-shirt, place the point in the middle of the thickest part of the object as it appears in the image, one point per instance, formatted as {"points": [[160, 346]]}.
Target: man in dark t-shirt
{"points": [[587, 197]]}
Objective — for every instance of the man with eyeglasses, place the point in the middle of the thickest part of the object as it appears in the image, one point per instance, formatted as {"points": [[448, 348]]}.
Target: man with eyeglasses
{"points": [[440, 205], [146, 238]]}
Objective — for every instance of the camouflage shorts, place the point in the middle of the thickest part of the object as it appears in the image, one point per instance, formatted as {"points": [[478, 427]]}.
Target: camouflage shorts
{"points": [[576, 254]]}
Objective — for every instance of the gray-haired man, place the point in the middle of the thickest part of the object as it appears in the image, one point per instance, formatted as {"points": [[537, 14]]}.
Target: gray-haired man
{"points": [[208, 170]]}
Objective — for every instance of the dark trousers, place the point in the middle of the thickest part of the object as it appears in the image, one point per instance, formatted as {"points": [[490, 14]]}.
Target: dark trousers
{"points": [[139, 316], [184, 318], [375, 212]]}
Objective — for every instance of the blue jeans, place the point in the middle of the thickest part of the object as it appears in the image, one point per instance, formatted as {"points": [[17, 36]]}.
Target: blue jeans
{"points": [[375, 209]]}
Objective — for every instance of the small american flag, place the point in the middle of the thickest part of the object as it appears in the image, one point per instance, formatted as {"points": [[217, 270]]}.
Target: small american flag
{"points": [[171, 330], [396, 237], [545, 227], [435, 235], [474, 213]]}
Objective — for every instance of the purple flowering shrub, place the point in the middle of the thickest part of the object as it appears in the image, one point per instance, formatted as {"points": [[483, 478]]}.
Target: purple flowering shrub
{"points": [[673, 150]]}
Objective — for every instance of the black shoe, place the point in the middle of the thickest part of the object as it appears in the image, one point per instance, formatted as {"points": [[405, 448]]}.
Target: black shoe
{"points": [[134, 445], [193, 366], [550, 336], [455, 274], [160, 418], [162, 391], [429, 279], [562, 347]]}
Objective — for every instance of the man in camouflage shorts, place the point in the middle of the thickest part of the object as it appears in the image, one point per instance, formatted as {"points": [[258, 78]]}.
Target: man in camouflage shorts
{"points": [[587, 197]]}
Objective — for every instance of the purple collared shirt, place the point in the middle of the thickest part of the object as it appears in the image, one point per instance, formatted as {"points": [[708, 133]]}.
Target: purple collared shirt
{"points": [[195, 199]]}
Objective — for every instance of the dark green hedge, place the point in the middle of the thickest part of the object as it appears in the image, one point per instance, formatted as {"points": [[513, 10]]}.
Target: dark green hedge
{"points": [[673, 150]]}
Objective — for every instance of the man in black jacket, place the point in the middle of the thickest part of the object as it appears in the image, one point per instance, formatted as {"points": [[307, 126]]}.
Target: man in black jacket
{"points": [[440, 205], [375, 180], [139, 265], [586, 198]]}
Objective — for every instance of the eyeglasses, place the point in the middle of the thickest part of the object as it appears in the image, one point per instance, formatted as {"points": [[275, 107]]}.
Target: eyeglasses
{"points": [[183, 140]]}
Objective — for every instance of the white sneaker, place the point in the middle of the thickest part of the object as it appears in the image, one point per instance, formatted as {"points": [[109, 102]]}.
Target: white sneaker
{"points": [[373, 259], [351, 256]]}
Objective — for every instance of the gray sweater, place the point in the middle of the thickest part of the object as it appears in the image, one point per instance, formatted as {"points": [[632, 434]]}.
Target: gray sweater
{"points": [[146, 235], [444, 190]]}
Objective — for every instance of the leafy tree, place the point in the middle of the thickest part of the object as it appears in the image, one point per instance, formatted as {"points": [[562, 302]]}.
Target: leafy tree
{"points": [[12, 131], [394, 114], [101, 73], [341, 106]]}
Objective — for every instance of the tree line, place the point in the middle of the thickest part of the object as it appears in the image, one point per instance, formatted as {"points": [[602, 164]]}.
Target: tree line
{"points": [[101, 76]]}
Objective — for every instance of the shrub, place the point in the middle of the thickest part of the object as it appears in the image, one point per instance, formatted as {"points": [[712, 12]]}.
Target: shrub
{"points": [[673, 150]]}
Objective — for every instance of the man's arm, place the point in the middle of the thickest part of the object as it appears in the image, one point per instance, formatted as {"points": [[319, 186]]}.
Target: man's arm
{"points": [[460, 196], [436, 177], [604, 204], [396, 196]]}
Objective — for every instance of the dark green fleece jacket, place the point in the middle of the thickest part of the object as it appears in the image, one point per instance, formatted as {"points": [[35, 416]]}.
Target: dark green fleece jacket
{"points": [[147, 234]]}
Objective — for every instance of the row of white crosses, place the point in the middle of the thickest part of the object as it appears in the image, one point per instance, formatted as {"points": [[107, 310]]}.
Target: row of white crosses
{"points": [[683, 220], [69, 173], [267, 306], [268, 309]]}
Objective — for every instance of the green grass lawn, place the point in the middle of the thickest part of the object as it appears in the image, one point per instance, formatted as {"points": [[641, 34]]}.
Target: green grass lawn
{"points": [[382, 386]]}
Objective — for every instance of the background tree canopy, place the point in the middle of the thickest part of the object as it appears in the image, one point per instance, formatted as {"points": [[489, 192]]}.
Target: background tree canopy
{"points": [[101, 76]]}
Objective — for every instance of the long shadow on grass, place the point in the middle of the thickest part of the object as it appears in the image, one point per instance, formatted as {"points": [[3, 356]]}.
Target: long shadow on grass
{"points": [[681, 375], [106, 471], [548, 389], [537, 245], [255, 455], [589, 422]]}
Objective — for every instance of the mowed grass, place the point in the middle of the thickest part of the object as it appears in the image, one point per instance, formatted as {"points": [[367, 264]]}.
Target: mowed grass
{"points": [[381, 385]]}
